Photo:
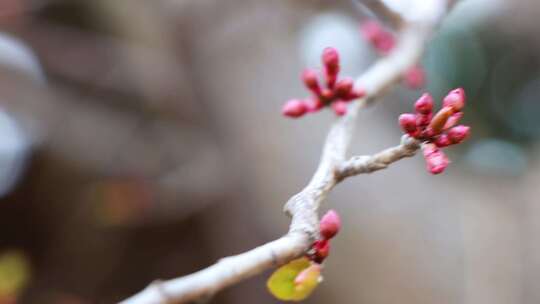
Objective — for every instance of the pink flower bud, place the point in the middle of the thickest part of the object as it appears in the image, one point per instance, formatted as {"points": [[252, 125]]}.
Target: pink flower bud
{"points": [[327, 96], [311, 80], [453, 120], [415, 77], [455, 99], [330, 224], [314, 105], [381, 39], [339, 107], [436, 160], [371, 30], [385, 43], [424, 104], [423, 120], [330, 60], [458, 134], [321, 250], [442, 141], [407, 122], [343, 87], [294, 108], [439, 120]]}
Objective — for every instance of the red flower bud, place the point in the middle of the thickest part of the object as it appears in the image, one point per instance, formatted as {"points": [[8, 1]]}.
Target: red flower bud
{"points": [[385, 43], [407, 122], [327, 95], [314, 105], [381, 39], [294, 108], [455, 99], [371, 30], [330, 224], [415, 77], [344, 87], [439, 120], [422, 120], [339, 107], [458, 134], [453, 120], [330, 60], [311, 80], [321, 250], [442, 141], [436, 160], [424, 104]]}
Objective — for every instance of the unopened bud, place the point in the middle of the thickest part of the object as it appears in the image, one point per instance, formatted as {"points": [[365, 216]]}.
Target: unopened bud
{"points": [[424, 104], [294, 108], [339, 107], [407, 122], [330, 224], [453, 120], [439, 120], [321, 250], [442, 141], [458, 134], [422, 120], [314, 105], [415, 77], [371, 30], [455, 99], [330, 59], [344, 87], [327, 95], [385, 43], [311, 80], [436, 160]]}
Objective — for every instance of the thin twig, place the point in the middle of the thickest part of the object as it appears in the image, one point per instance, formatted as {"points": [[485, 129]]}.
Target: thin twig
{"points": [[333, 168], [370, 163]]}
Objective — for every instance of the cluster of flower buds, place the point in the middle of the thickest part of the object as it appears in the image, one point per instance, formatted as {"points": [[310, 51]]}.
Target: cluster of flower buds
{"points": [[384, 41], [328, 227], [436, 130], [336, 93]]}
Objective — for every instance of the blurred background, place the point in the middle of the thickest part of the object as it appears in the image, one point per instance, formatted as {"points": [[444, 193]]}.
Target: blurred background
{"points": [[143, 140]]}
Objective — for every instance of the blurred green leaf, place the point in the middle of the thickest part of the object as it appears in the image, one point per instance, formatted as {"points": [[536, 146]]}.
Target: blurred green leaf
{"points": [[14, 272]]}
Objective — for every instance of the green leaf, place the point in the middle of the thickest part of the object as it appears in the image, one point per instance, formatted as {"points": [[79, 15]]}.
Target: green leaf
{"points": [[294, 281], [14, 272]]}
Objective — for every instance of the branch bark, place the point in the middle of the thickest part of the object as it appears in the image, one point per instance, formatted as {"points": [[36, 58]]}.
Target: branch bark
{"points": [[333, 168]]}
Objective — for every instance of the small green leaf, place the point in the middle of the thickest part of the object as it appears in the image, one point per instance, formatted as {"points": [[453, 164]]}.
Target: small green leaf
{"points": [[14, 272], [294, 281]]}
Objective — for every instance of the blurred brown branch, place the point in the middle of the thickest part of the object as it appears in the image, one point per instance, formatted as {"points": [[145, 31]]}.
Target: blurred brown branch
{"points": [[303, 207]]}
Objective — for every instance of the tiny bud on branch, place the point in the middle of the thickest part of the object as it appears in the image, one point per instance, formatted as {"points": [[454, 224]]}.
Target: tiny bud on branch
{"points": [[455, 99], [311, 80], [330, 224], [458, 134], [294, 108], [424, 104]]}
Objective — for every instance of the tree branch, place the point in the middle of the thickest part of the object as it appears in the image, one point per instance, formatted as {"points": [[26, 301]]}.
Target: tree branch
{"points": [[371, 163], [333, 168]]}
